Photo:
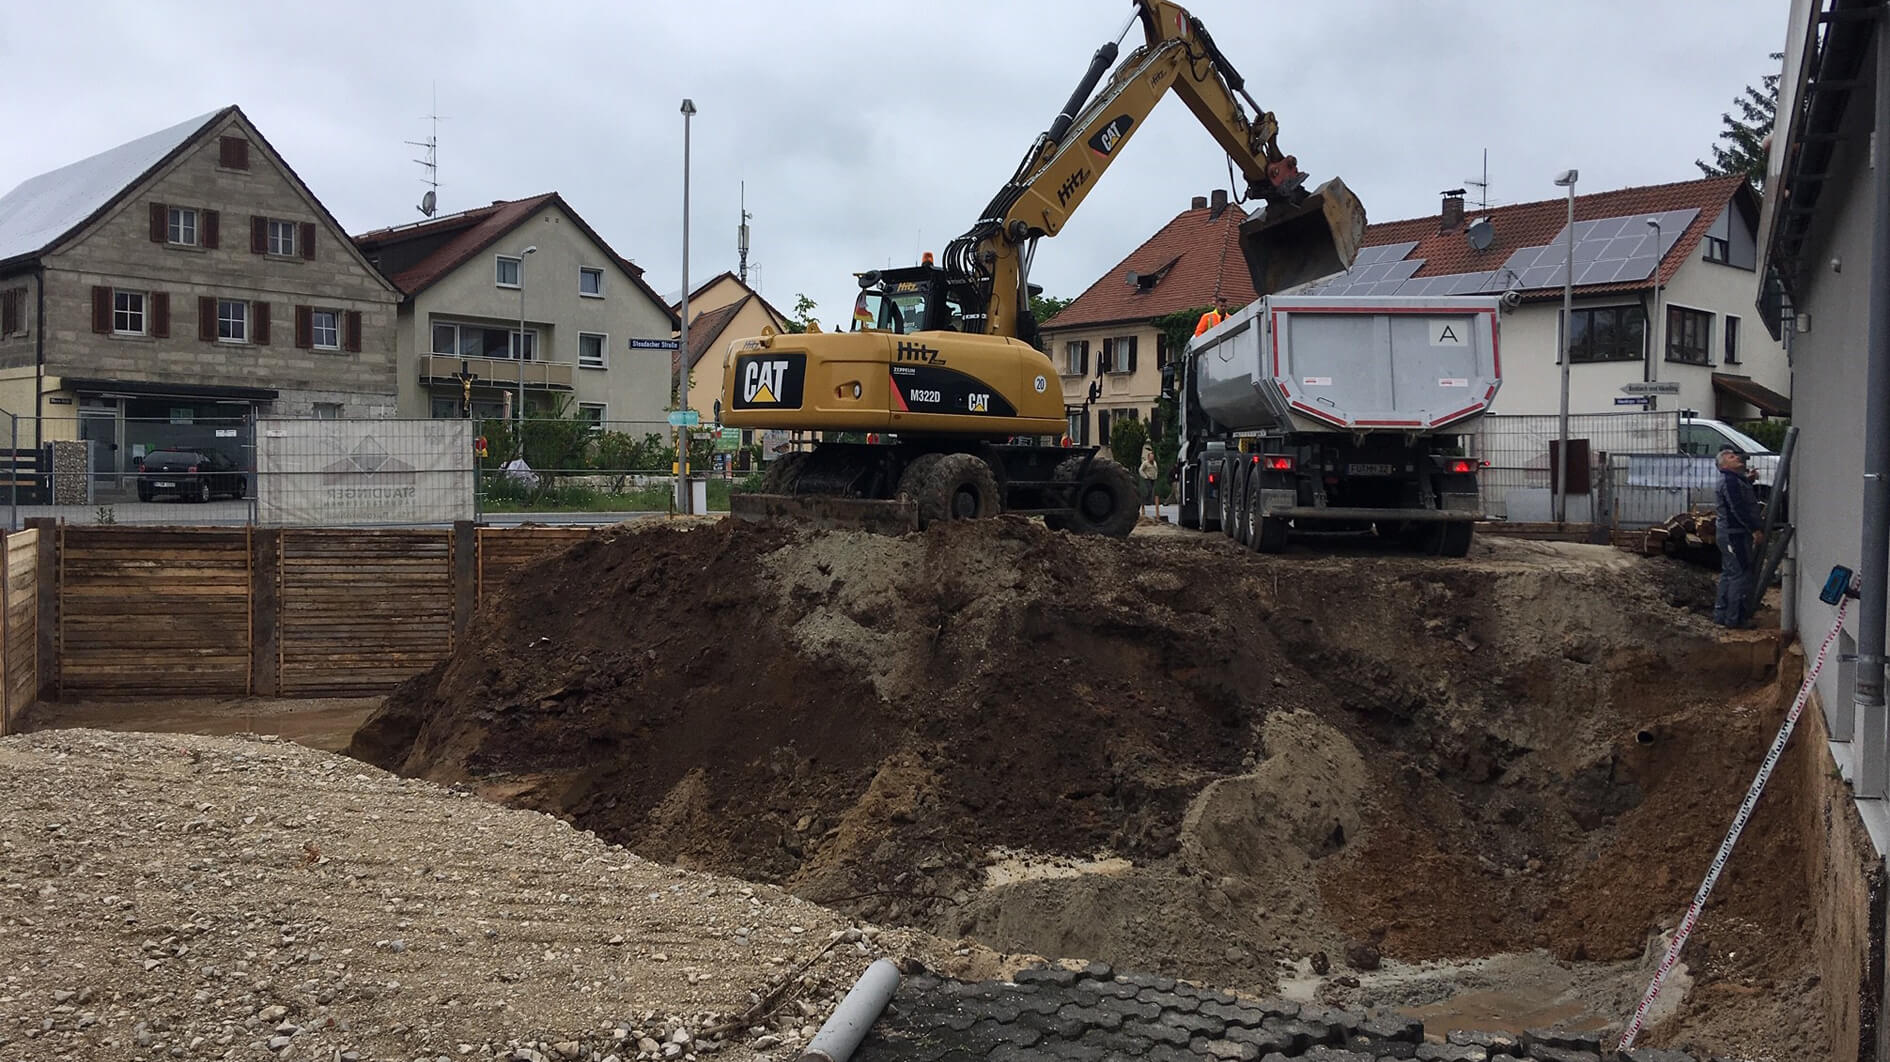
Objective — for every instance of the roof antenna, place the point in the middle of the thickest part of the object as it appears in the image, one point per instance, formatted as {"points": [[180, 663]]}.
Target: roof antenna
{"points": [[741, 234], [1483, 186], [431, 200]]}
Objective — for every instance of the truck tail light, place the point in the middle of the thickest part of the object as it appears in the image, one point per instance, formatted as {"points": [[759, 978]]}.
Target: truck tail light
{"points": [[1213, 478], [1462, 466], [1279, 463]]}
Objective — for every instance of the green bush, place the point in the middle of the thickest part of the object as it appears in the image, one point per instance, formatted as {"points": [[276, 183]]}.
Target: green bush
{"points": [[1126, 439], [1769, 432]]}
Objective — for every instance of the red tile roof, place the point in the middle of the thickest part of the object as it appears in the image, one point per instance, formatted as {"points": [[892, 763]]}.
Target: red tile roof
{"points": [[1519, 225], [471, 232], [1198, 255]]}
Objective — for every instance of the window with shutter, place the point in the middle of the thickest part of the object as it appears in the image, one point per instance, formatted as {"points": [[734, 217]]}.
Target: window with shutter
{"points": [[258, 235], [160, 222], [1132, 345], [260, 311], [101, 309], [1107, 362], [233, 153], [161, 314], [307, 241], [9, 312], [354, 331], [210, 226], [304, 327], [206, 318]]}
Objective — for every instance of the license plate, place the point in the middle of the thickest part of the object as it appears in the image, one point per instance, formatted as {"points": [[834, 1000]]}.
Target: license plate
{"points": [[1369, 470], [164, 483]]}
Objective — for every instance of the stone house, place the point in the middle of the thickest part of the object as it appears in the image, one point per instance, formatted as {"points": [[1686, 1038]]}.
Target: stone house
{"points": [[473, 282], [183, 280]]}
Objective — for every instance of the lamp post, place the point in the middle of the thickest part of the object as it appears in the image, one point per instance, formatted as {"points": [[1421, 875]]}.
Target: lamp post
{"points": [[1566, 180], [1654, 351], [519, 414], [682, 343]]}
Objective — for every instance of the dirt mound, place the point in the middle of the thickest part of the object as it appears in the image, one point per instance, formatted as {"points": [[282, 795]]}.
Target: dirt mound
{"points": [[1164, 752]]}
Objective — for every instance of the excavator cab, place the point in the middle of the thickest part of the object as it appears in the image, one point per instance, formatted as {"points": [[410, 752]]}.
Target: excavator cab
{"points": [[911, 299]]}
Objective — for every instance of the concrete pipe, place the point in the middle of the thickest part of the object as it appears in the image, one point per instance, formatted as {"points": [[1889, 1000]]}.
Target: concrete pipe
{"points": [[841, 1035]]}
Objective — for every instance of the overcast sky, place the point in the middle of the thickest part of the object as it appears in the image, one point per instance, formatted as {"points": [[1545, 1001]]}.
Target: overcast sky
{"points": [[869, 132]]}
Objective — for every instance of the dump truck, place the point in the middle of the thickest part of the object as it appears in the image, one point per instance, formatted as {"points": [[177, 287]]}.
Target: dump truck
{"points": [[1305, 414], [936, 403]]}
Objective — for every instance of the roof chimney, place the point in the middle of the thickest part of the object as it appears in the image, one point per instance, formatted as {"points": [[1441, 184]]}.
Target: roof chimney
{"points": [[1199, 203], [1453, 211], [1219, 203]]}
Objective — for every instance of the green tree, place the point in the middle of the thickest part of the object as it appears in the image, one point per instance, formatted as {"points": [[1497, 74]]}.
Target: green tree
{"points": [[1044, 307], [1741, 149], [1126, 439], [803, 313]]}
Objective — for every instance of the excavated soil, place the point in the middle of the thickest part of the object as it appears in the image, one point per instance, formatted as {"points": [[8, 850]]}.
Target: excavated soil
{"points": [[1165, 753]]}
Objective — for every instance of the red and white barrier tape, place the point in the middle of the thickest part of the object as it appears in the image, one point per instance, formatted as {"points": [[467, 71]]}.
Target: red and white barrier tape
{"points": [[1732, 836]]}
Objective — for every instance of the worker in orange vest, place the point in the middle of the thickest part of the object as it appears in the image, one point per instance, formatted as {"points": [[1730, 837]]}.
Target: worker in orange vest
{"points": [[1212, 317]]}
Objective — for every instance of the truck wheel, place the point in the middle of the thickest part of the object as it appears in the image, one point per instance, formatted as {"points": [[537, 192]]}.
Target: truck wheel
{"points": [[1106, 501], [953, 487], [1453, 539], [1269, 535], [783, 473], [1229, 521]]}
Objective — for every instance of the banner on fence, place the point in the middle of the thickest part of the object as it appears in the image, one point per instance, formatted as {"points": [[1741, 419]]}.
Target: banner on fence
{"points": [[356, 472]]}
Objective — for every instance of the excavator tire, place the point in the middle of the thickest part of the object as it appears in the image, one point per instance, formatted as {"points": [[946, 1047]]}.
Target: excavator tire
{"points": [[952, 487], [1106, 499], [783, 473]]}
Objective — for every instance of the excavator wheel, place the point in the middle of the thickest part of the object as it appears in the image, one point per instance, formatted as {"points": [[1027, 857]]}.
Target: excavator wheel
{"points": [[783, 473], [951, 487], [1106, 499]]}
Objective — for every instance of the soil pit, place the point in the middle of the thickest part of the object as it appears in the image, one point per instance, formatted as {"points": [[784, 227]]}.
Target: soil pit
{"points": [[1163, 753]]}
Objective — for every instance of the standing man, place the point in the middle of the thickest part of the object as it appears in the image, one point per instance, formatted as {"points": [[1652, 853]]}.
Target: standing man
{"points": [[1215, 315], [1738, 530]]}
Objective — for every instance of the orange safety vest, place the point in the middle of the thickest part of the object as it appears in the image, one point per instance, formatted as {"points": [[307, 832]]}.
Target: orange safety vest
{"points": [[1208, 320]]}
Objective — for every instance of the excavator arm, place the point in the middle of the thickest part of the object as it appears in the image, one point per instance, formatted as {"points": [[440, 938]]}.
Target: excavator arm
{"points": [[1300, 237]]}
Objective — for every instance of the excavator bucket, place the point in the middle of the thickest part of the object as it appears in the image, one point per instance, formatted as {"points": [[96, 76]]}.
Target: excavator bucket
{"points": [[1291, 245]]}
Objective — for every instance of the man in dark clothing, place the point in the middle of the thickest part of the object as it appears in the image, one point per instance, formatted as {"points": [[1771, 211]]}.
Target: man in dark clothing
{"points": [[1738, 530]]}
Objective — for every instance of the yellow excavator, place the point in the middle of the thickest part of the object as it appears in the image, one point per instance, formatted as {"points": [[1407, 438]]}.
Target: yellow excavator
{"points": [[947, 410]]}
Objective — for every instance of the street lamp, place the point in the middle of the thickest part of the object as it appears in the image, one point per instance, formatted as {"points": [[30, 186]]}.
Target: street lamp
{"points": [[682, 344], [1566, 180], [1654, 352], [520, 354]]}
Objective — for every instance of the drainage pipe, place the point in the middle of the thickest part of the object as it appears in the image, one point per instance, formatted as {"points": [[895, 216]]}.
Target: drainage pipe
{"points": [[1875, 551], [837, 1040]]}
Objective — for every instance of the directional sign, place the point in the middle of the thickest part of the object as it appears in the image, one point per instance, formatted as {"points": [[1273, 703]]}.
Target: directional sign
{"points": [[654, 344], [1641, 401], [1658, 387], [684, 418]]}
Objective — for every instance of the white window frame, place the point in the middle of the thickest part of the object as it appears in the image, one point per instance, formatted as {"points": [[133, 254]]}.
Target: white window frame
{"points": [[282, 237], [603, 414], [239, 322], [334, 326], [1074, 353], [603, 350], [179, 234], [1118, 355], [142, 313], [331, 409], [511, 342], [585, 271], [518, 274]]}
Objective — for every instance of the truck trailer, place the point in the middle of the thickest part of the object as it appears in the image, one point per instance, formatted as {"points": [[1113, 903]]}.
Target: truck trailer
{"points": [[1307, 414]]}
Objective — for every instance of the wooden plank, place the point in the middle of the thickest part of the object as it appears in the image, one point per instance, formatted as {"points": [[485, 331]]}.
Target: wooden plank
{"points": [[265, 595]]}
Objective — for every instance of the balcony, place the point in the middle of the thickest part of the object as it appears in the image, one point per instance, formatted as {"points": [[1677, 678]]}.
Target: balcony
{"points": [[543, 375]]}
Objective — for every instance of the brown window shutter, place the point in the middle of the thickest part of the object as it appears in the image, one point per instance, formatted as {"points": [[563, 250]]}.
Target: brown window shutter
{"points": [[208, 224], [206, 319], [306, 240], [101, 309], [9, 312], [161, 314], [258, 235], [304, 327], [1133, 341], [233, 153], [353, 341], [160, 222], [259, 323]]}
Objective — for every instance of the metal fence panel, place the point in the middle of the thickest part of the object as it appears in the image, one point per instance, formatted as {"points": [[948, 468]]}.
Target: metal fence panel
{"points": [[1513, 450], [349, 473]]}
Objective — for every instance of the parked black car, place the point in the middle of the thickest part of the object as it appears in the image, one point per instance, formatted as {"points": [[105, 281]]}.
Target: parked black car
{"points": [[192, 475]]}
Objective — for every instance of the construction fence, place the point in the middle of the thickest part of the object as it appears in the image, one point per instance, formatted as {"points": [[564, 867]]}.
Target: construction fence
{"points": [[1626, 471], [264, 471]]}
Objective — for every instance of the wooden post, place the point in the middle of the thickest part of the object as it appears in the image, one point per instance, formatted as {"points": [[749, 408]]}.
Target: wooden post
{"points": [[265, 611], [465, 574], [46, 660]]}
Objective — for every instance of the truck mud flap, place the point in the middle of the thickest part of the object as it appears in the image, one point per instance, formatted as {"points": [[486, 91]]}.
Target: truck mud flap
{"points": [[826, 513], [1287, 246]]}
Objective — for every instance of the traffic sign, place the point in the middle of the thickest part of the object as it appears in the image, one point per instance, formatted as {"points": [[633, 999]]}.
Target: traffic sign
{"points": [[684, 418], [1641, 401], [1656, 387], [654, 344]]}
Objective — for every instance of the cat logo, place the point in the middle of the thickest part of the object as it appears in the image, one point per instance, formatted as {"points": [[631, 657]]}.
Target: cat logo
{"points": [[1105, 141], [977, 403], [761, 382]]}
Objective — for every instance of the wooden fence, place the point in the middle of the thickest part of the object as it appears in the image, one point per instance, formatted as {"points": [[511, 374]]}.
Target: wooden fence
{"points": [[103, 611], [19, 625]]}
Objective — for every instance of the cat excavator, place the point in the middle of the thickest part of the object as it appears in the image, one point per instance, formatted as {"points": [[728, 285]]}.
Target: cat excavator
{"points": [[936, 406]]}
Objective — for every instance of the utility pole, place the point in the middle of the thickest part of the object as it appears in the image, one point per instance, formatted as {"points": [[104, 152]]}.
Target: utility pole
{"points": [[682, 344]]}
